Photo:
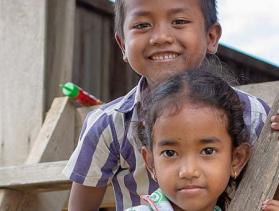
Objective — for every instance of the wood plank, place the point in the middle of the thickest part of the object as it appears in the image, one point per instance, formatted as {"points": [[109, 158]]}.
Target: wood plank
{"points": [[88, 51], [59, 46], [41, 177], [266, 91], [102, 5], [106, 58], [56, 138], [55, 142], [262, 175]]}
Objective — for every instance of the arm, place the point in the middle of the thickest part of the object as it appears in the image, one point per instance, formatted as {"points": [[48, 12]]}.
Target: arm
{"points": [[85, 198], [270, 205]]}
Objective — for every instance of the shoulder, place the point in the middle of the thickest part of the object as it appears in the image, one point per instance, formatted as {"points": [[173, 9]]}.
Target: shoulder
{"points": [[252, 103], [110, 115]]}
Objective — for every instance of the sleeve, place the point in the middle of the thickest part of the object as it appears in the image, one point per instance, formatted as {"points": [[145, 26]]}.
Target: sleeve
{"points": [[255, 114], [96, 157]]}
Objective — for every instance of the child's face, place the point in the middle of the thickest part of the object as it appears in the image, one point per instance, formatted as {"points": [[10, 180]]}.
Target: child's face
{"points": [[192, 153], [162, 37]]}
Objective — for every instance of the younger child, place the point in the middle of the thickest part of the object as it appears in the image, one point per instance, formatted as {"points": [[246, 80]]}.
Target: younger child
{"points": [[196, 143]]}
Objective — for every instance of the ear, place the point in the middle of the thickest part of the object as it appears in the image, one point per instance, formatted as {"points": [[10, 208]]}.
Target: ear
{"points": [[213, 36], [148, 161], [121, 44], [241, 155]]}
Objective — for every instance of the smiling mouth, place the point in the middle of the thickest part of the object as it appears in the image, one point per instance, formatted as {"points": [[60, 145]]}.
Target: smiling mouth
{"points": [[162, 57]]}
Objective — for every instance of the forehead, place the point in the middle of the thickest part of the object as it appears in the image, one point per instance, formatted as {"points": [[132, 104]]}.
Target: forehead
{"points": [[191, 123], [138, 7]]}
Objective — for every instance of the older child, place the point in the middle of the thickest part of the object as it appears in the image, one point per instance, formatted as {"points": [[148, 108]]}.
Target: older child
{"points": [[196, 142], [158, 38]]}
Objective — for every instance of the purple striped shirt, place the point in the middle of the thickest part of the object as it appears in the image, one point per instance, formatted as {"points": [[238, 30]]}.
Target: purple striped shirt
{"points": [[109, 149]]}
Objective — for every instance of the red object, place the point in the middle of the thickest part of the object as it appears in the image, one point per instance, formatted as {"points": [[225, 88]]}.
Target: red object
{"points": [[79, 95]]}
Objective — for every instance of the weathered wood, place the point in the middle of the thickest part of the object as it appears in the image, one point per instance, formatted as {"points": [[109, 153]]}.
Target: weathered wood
{"points": [[56, 138], [40, 177], [54, 142], [106, 57], [262, 175], [266, 91], [101, 5], [59, 46], [88, 52]]}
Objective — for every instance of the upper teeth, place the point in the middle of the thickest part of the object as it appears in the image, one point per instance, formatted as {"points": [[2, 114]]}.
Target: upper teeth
{"points": [[164, 56]]}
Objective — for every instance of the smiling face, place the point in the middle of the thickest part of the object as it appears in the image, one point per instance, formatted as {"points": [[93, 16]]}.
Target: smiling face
{"points": [[192, 154], [163, 37]]}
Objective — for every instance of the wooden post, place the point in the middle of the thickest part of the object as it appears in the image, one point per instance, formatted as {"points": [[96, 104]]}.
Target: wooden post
{"points": [[262, 175]]}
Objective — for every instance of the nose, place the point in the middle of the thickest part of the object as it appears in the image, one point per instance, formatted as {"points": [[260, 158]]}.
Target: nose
{"points": [[189, 169], [161, 35]]}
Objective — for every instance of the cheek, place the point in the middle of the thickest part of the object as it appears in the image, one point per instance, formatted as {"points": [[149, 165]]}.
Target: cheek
{"points": [[221, 173]]}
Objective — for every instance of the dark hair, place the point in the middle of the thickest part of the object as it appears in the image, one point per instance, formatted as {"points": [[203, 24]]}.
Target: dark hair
{"points": [[198, 87], [208, 8], [201, 87]]}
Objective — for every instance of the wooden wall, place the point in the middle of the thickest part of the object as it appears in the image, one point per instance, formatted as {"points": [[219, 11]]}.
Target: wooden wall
{"points": [[98, 65], [247, 69]]}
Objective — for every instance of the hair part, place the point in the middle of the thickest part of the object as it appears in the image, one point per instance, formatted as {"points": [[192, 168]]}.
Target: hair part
{"points": [[208, 8], [198, 87]]}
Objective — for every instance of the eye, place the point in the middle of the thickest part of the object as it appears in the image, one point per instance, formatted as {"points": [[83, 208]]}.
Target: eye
{"points": [[141, 26], [208, 151], [169, 153], [180, 22]]}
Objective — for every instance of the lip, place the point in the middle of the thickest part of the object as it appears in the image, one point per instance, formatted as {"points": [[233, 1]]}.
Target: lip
{"points": [[191, 189]]}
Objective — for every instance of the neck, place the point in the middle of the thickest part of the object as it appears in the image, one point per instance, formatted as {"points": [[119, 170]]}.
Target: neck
{"points": [[176, 208]]}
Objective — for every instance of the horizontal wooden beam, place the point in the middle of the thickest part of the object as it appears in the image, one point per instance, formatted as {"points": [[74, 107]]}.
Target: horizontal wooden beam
{"points": [[42, 177]]}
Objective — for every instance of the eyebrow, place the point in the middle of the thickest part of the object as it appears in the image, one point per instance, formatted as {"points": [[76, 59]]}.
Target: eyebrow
{"points": [[167, 142], [207, 140], [210, 140]]}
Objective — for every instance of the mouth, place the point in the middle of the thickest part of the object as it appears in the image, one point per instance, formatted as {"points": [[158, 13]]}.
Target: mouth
{"points": [[164, 56], [191, 189]]}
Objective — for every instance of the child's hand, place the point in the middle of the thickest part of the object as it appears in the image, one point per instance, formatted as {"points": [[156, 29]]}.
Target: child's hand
{"points": [[270, 205], [275, 122]]}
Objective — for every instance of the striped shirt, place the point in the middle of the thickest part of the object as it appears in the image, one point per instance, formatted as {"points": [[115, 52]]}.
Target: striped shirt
{"points": [[109, 150]]}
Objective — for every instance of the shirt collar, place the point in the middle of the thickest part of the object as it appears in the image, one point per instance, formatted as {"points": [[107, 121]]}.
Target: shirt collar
{"points": [[133, 98]]}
